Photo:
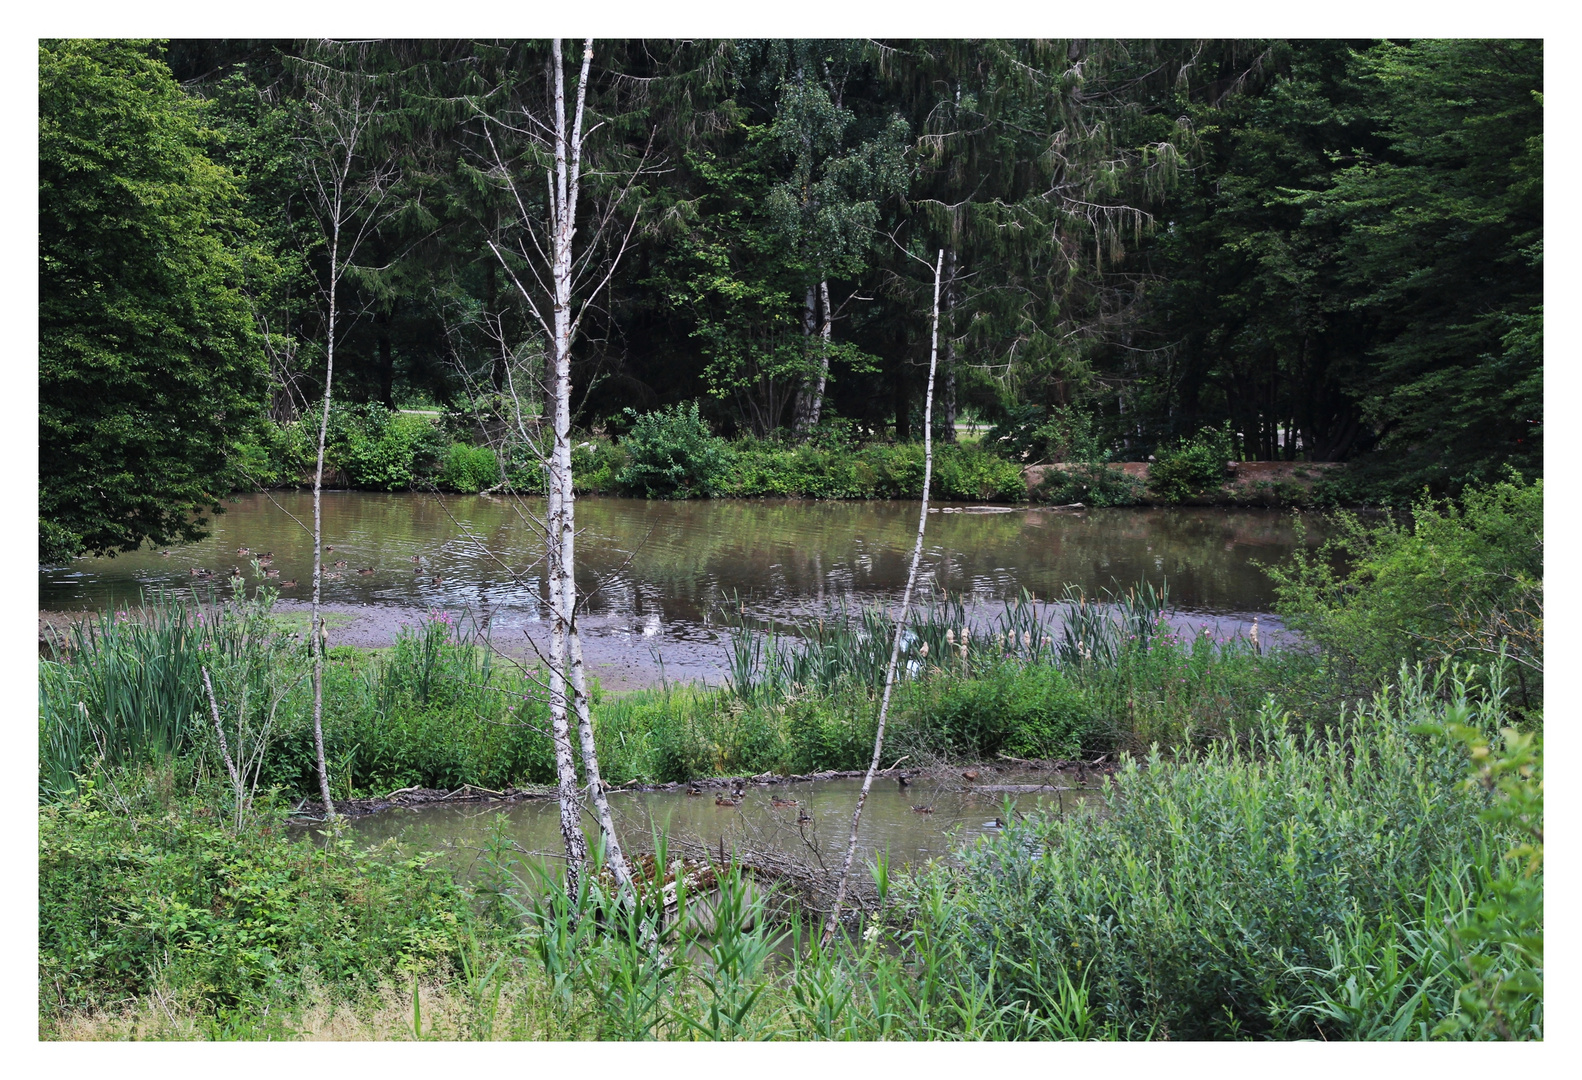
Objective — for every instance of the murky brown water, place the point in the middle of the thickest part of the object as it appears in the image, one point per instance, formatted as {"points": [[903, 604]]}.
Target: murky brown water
{"points": [[959, 814], [665, 571]]}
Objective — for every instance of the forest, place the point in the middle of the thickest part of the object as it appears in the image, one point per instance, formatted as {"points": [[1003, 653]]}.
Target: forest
{"points": [[1081, 502], [1323, 251]]}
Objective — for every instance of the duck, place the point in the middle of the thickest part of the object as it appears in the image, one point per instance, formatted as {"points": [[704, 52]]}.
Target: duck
{"points": [[435, 580], [340, 564], [738, 787], [922, 809], [243, 551], [271, 573], [165, 553], [720, 800], [195, 571], [329, 547], [366, 570], [994, 823], [417, 559], [288, 584], [803, 817], [693, 789], [332, 577], [780, 804], [970, 774], [903, 781]]}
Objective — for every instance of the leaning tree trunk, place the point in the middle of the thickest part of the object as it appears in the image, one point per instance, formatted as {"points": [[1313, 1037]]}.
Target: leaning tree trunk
{"points": [[900, 621], [316, 629]]}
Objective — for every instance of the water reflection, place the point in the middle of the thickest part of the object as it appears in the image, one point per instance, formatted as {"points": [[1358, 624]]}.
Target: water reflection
{"points": [[671, 565]]}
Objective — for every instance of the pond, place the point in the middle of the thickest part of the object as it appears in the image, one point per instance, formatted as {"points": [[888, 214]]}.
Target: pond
{"points": [[811, 826], [659, 576]]}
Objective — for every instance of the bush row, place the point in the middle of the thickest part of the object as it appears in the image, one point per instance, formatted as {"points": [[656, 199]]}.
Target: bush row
{"points": [[668, 454]]}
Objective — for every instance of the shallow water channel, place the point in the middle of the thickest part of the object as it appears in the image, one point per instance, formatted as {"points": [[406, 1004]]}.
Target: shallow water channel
{"points": [[961, 811], [659, 576]]}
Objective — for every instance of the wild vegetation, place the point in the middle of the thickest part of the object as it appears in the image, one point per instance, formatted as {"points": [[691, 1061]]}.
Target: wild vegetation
{"points": [[318, 262], [1286, 853]]}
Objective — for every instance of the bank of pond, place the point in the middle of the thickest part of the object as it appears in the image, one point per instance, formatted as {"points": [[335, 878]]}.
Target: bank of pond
{"points": [[671, 454], [1270, 858]]}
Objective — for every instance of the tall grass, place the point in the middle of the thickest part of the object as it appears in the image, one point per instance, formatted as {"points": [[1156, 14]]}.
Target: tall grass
{"points": [[128, 686], [1278, 884], [838, 649]]}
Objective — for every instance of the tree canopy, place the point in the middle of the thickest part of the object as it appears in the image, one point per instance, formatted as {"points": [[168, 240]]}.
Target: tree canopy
{"points": [[1334, 247], [149, 363]]}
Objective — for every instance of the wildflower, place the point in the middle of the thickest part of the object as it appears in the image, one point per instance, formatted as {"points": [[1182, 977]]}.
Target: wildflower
{"points": [[871, 934]]}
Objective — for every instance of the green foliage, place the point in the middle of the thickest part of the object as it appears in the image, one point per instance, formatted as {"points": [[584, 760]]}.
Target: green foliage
{"points": [[1203, 900], [833, 471], [1501, 936], [382, 450], [468, 468], [1461, 583], [127, 688], [1032, 711], [1192, 466], [142, 891], [1443, 246], [672, 454], [149, 365]]}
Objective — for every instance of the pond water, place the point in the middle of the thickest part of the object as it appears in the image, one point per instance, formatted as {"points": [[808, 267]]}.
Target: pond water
{"points": [[959, 811], [660, 575]]}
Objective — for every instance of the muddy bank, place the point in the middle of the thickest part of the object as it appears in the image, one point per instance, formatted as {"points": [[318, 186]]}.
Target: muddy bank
{"points": [[1247, 483]]}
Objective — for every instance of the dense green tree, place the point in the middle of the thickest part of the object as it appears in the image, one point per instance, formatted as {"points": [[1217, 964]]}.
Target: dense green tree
{"points": [[1444, 247], [1351, 270], [149, 364]]}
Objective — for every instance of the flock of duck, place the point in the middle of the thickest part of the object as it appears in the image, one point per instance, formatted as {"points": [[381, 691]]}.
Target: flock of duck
{"points": [[263, 561]]}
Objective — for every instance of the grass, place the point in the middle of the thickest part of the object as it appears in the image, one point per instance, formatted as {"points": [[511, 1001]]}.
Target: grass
{"points": [[438, 709], [1279, 883]]}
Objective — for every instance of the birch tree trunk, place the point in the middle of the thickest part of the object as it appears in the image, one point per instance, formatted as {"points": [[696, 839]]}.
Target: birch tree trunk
{"points": [[810, 395], [567, 674], [316, 628], [349, 210], [900, 621], [948, 429]]}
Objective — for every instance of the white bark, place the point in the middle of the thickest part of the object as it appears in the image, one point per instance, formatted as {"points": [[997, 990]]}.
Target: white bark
{"points": [[810, 398], [316, 623], [350, 208], [567, 672], [900, 621]]}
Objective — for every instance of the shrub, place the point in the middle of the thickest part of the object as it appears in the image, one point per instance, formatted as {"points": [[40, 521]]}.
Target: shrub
{"points": [[468, 468], [1094, 485], [1034, 711], [673, 455], [1192, 466], [157, 892], [1461, 583], [1210, 897], [381, 450]]}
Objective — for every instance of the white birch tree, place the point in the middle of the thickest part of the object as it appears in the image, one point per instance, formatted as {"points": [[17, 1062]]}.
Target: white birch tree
{"points": [[346, 192], [900, 619], [556, 278]]}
